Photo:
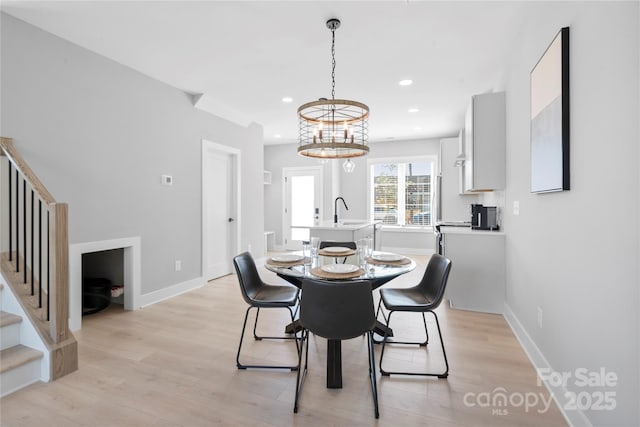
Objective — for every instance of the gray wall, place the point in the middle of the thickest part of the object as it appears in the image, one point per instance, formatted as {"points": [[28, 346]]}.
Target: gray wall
{"points": [[100, 135], [575, 254], [350, 186]]}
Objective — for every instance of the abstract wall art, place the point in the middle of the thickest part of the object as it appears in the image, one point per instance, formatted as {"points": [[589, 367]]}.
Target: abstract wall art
{"points": [[550, 118]]}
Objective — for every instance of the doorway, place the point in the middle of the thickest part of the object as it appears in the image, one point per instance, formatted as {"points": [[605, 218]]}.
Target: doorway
{"points": [[302, 203], [220, 208]]}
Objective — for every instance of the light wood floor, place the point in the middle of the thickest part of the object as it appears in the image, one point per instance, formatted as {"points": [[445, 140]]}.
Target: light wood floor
{"points": [[173, 364]]}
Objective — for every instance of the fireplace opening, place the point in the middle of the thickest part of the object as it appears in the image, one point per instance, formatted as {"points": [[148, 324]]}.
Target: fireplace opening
{"points": [[102, 280]]}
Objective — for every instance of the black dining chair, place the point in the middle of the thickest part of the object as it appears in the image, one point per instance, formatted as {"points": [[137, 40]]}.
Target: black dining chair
{"points": [[259, 294], [348, 245], [328, 243], [336, 311], [422, 298]]}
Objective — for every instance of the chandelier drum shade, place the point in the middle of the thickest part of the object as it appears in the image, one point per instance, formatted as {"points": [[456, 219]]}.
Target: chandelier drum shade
{"points": [[333, 128]]}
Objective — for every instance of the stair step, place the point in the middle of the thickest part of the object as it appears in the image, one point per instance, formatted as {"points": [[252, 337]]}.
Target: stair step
{"points": [[9, 330], [20, 366], [17, 356], [7, 319]]}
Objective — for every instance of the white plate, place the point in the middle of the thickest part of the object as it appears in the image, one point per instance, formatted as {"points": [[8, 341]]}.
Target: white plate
{"points": [[386, 256], [335, 249], [340, 268], [287, 258]]}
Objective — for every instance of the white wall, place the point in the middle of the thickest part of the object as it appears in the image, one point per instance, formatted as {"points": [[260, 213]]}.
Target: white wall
{"points": [[575, 254], [100, 135]]}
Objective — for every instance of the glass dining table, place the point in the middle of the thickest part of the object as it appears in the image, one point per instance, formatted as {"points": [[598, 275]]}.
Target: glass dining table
{"points": [[378, 269]]}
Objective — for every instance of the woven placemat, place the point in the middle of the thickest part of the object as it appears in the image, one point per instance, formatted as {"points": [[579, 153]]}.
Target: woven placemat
{"points": [[347, 252], [270, 261], [319, 272], [403, 261]]}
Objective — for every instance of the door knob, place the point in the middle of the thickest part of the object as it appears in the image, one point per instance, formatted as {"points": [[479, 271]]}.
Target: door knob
{"points": [[231, 219]]}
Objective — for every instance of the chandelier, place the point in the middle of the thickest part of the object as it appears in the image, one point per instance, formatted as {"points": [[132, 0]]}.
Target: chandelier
{"points": [[333, 128]]}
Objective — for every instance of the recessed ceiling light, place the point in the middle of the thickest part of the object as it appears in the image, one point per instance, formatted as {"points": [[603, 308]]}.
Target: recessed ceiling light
{"points": [[417, 128], [277, 135], [413, 110], [287, 99], [405, 82]]}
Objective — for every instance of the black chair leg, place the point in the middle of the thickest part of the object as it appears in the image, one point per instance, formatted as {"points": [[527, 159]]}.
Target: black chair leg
{"points": [[255, 325], [385, 340], [379, 308], [372, 373], [379, 311], [244, 325], [445, 374], [301, 375], [426, 332]]}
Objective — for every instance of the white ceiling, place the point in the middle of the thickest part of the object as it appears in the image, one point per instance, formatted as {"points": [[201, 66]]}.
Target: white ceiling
{"points": [[245, 56]]}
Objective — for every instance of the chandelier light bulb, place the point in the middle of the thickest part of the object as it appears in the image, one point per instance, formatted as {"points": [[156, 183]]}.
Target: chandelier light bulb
{"points": [[348, 166]]}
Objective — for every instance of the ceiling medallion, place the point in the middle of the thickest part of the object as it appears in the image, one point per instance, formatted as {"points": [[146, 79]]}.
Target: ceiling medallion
{"points": [[333, 128]]}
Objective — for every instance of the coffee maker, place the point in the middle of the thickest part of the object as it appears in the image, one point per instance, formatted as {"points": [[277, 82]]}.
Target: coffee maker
{"points": [[484, 217]]}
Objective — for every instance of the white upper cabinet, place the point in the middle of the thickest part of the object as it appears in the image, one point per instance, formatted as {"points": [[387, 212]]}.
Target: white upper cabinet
{"points": [[485, 143]]}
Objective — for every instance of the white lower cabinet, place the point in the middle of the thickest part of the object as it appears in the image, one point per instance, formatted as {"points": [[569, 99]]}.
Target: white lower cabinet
{"points": [[477, 278]]}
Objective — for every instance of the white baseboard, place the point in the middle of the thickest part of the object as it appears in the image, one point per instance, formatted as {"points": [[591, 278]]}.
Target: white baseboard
{"points": [[573, 417], [171, 291]]}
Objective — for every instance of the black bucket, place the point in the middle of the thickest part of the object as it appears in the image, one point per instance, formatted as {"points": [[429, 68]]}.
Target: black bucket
{"points": [[96, 294]]}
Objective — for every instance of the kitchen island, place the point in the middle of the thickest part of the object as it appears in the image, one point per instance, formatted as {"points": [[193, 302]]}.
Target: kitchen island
{"points": [[348, 230]]}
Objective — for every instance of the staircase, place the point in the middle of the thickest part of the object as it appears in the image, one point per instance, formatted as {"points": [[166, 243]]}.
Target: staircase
{"points": [[20, 365], [37, 344]]}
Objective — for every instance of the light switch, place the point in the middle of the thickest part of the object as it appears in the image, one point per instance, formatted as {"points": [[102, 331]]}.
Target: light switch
{"points": [[167, 180], [516, 208]]}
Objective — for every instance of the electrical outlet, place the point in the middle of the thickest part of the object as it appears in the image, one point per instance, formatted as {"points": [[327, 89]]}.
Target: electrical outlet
{"points": [[540, 317], [178, 265], [516, 208]]}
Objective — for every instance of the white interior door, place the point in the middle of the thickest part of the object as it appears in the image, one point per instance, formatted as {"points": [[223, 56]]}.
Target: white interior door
{"points": [[220, 209], [303, 196]]}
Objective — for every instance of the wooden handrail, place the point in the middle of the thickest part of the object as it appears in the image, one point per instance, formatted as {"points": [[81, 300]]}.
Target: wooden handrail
{"points": [[51, 319], [18, 162]]}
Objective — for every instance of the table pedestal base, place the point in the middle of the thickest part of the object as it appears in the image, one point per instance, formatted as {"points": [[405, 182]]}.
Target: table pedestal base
{"points": [[334, 364], [293, 328], [380, 329]]}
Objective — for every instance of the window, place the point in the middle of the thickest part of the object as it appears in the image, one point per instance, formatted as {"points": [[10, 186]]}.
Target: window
{"points": [[401, 191]]}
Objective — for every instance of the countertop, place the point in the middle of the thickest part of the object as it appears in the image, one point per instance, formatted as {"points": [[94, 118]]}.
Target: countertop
{"points": [[468, 230], [347, 225]]}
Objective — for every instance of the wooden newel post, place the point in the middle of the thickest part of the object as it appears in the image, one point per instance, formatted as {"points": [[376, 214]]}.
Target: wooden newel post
{"points": [[59, 274]]}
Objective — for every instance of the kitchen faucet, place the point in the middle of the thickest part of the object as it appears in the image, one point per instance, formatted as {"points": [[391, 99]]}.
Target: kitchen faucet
{"points": [[335, 208]]}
